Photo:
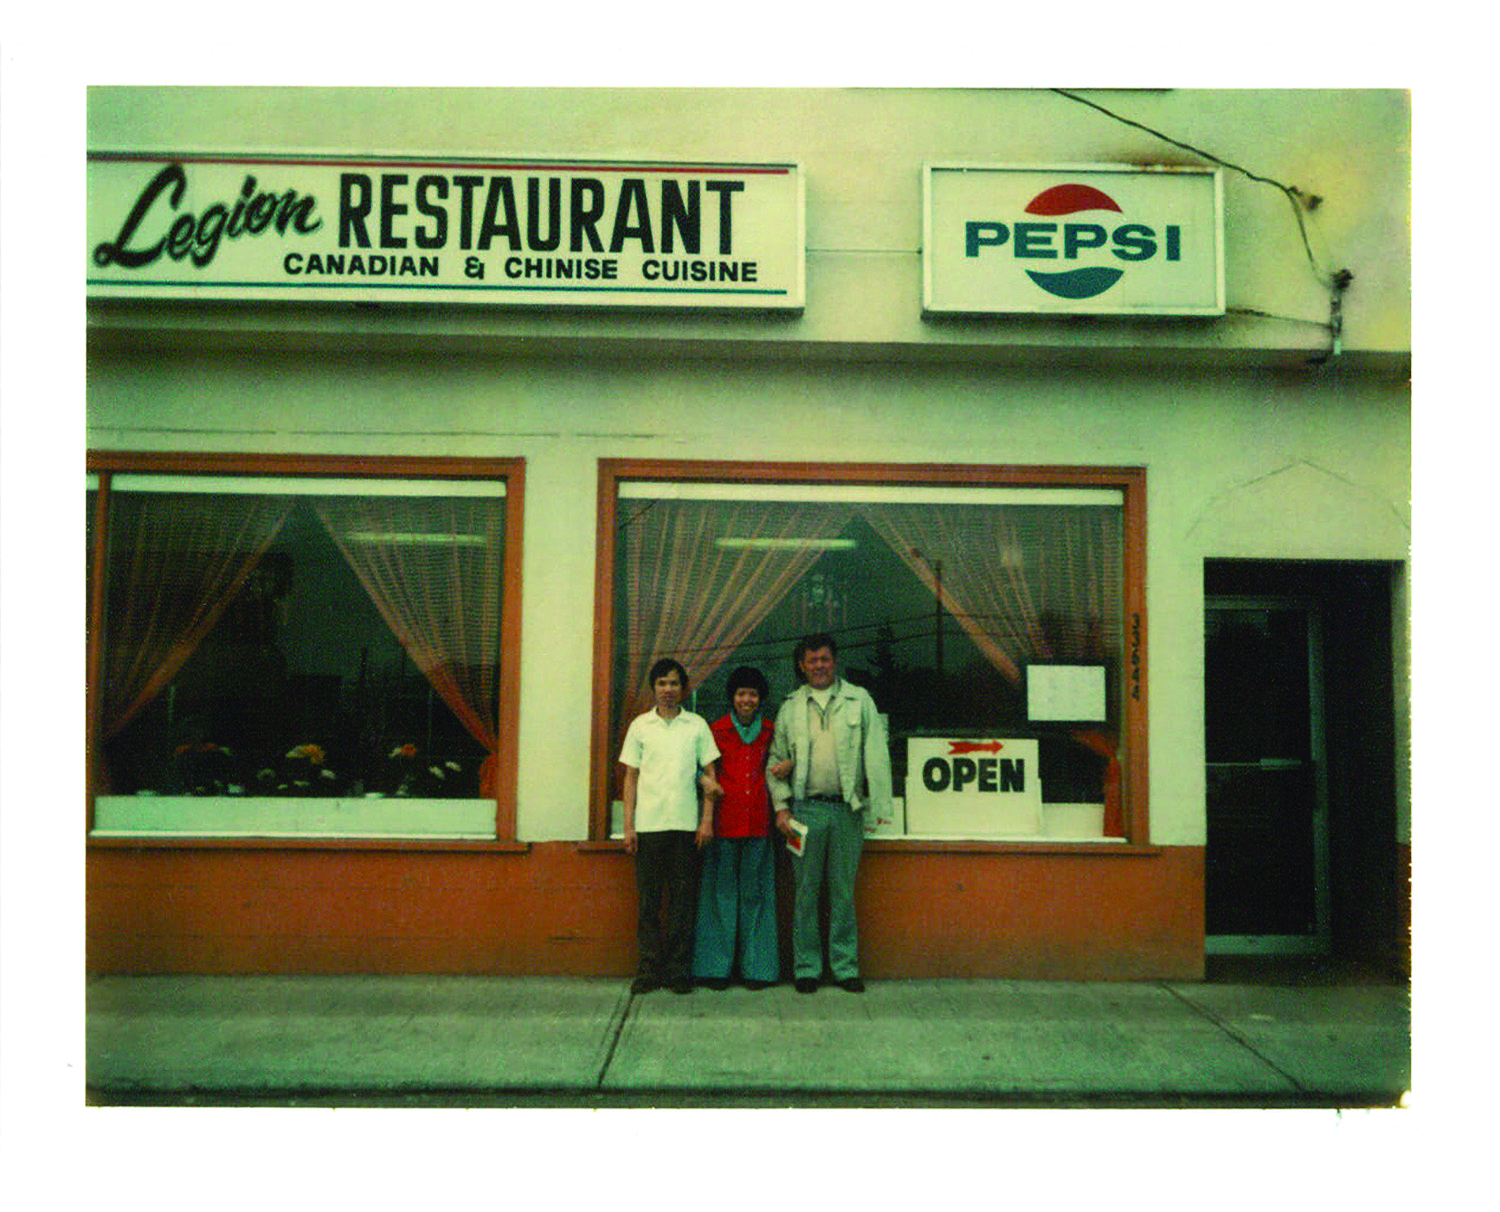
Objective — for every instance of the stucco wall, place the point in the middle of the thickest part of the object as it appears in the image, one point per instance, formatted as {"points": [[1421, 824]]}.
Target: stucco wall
{"points": [[862, 151]]}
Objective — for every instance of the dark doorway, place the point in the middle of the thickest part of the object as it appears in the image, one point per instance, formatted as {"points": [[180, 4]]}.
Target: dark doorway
{"points": [[1302, 851], [1267, 865]]}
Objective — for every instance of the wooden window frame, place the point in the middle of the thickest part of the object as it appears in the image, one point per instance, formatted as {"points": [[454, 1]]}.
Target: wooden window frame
{"points": [[103, 464], [1131, 481]]}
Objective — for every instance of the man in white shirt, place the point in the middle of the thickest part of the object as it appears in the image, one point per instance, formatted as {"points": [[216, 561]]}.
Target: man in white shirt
{"points": [[669, 757], [829, 760]]}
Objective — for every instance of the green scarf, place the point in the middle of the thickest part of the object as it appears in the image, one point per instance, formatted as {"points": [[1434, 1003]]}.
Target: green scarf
{"points": [[748, 732]]}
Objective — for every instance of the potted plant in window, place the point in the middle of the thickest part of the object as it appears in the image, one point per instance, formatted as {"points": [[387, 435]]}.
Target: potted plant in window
{"points": [[408, 774], [306, 771], [205, 768]]}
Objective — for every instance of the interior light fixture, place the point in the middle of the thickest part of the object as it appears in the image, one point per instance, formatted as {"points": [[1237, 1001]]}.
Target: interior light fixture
{"points": [[394, 538], [756, 544]]}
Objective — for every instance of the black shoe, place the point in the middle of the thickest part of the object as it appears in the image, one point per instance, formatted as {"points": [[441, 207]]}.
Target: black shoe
{"points": [[682, 985], [644, 984], [759, 984], [852, 984], [714, 982], [807, 984]]}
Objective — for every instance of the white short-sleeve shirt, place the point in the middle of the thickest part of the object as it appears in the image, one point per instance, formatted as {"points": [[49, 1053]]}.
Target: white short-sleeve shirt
{"points": [[668, 754]]}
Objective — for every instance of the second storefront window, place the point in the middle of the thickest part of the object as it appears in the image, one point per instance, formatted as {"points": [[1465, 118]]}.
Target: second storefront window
{"points": [[986, 619]]}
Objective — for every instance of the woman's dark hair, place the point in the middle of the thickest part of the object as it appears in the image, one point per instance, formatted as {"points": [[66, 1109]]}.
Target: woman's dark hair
{"points": [[747, 676], [664, 667]]}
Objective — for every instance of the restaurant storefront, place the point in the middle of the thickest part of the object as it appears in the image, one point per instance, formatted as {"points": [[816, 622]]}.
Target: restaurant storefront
{"points": [[407, 457]]}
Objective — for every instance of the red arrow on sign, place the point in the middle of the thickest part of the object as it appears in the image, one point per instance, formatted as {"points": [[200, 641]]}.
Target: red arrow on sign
{"points": [[974, 747]]}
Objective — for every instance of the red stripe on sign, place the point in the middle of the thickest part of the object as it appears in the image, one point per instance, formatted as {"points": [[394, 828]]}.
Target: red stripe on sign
{"points": [[1065, 199], [493, 166]]}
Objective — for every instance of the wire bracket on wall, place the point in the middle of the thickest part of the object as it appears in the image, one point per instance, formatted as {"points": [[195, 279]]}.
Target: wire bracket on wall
{"points": [[1335, 283]]}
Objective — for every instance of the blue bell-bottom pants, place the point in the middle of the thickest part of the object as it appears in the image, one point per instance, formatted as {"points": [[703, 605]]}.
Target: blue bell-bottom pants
{"points": [[737, 910]]}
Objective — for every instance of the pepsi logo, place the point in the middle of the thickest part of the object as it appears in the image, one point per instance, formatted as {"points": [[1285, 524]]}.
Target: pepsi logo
{"points": [[1095, 241]]}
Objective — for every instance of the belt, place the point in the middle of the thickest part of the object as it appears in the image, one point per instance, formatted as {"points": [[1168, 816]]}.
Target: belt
{"points": [[825, 799]]}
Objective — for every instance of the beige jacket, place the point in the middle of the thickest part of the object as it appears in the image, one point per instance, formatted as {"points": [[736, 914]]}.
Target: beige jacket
{"points": [[860, 746]]}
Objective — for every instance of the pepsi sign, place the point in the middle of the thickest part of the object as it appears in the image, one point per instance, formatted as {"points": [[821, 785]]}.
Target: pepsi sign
{"points": [[1100, 240]]}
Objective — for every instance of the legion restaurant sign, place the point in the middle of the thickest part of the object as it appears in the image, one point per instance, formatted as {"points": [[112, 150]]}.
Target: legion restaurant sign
{"points": [[445, 229], [1101, 240]]}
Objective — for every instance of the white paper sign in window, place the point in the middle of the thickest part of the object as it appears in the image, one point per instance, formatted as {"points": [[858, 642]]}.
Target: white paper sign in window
{"points": [[1065, 693]]}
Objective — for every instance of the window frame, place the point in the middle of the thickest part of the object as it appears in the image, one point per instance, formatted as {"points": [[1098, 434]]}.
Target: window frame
{"points": [[104, 464], [1130, 481]]}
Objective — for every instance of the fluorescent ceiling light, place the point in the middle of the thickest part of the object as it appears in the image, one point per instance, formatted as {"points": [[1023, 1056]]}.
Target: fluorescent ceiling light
{"points": [[401, 537], [304, 486], [786, 544], [875, 494]]}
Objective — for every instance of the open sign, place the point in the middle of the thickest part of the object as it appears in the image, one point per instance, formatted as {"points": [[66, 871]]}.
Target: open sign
{"points": [[968, 788]]}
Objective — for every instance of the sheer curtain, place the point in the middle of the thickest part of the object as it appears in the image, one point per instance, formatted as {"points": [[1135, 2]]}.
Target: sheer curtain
{"points": [[177, 560], [433, 568], [700, 575], [1025, 583]]}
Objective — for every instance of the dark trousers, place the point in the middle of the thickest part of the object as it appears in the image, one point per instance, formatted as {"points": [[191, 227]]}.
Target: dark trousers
{"points": [[666, 862]]}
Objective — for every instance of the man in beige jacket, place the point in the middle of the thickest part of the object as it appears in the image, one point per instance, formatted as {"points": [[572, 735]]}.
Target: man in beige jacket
{"points": [[829, 761]]}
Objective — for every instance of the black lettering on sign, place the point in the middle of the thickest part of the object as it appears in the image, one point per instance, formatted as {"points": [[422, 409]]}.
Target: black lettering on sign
{"points": [[585, 214], [997, 775], [726, 191], [935, 774], [501, 195], [427, 186], [355, 200], [987, 774], [632, 200], [390, 208], [683, 215], [199, 237], [466, 187], [1012, 774], [964, 772], [534, 237], [1135, 656]]}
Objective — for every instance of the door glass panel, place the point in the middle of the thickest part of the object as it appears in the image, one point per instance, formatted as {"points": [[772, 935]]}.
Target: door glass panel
{"points": [[1256, 691], [1261, 876], [1259, 872]]}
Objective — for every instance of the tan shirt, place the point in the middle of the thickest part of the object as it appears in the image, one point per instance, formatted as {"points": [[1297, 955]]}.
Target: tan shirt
{"points": [[822, 758]]}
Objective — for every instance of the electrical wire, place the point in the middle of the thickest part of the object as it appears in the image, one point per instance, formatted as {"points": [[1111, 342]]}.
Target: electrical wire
{"points": [[1336, 283]]}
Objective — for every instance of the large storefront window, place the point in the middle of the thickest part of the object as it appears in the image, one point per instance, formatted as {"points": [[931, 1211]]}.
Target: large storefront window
{"points": [[987, 618], [301, 655]]}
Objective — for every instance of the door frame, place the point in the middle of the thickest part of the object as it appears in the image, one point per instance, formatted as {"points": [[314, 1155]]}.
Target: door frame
{"points": [[1320, 941]]}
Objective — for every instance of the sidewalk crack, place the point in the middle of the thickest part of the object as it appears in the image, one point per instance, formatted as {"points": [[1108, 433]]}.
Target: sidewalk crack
{"points": [[1237, 1037], [618, 1029]]}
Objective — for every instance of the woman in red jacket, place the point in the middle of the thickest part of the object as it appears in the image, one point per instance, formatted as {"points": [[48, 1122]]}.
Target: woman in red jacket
{"points": [[737, 897]]}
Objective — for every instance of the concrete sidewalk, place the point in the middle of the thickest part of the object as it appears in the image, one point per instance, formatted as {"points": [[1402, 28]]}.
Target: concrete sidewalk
{"points": [[547, 1041]]}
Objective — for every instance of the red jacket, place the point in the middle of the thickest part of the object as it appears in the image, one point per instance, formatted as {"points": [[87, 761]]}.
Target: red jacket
{"points": [[745, 810]]}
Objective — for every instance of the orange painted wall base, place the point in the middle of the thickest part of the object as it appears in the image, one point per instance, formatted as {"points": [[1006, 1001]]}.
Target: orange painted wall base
{"points": [[556, 908]]}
